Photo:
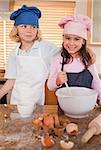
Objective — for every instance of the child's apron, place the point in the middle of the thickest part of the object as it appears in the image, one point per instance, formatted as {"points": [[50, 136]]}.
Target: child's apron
{"points": [[31, 76]]}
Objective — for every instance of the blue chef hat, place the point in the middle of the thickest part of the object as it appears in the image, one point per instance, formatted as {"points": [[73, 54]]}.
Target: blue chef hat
{"points": [[26, 15]]}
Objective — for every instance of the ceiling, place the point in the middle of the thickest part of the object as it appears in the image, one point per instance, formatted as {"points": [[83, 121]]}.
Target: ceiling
{"points": [[6, 5]]}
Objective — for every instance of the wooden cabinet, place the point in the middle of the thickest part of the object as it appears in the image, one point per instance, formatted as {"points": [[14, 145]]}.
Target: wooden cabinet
{"points": [[50, 97], [3, 100]]}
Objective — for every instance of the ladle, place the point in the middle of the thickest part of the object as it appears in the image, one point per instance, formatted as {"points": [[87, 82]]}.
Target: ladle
{"points": [[69, 90]]}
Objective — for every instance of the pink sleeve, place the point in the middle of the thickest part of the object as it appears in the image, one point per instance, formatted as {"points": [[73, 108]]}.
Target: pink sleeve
{"points": [[55, 68], [96, 83]]}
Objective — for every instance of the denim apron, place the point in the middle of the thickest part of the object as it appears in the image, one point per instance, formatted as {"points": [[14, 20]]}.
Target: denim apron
{"points": [[80, 79]]}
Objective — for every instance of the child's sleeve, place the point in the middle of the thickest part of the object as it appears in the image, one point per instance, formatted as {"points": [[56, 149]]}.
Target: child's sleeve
{"points": [[96, 83], [11, 67], [50, 51], [54, 69]]}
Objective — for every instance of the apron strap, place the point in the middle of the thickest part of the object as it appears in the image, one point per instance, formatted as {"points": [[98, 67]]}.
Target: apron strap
{"points": [[39, 50], [17, 48]]}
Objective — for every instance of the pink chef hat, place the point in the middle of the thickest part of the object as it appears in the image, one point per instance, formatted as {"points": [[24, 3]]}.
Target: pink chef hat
{"points": [[76, 25]]}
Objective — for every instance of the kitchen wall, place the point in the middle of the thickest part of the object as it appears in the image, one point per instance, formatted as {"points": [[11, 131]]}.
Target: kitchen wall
{"points": [[81, 8]]}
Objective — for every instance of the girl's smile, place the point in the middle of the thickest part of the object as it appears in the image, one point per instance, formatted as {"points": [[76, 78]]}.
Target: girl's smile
{"points": [[72, 43]]}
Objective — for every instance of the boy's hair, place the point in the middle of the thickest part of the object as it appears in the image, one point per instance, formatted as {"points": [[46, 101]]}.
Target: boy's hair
{"points": [[15, 37], [83, 53]]}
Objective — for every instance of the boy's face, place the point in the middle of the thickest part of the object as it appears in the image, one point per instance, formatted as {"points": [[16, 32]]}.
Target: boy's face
{"points": [[27, 32], [72, 43]]}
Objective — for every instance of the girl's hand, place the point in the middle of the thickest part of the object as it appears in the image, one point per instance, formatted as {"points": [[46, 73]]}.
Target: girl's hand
{"points": [[61, 78]]}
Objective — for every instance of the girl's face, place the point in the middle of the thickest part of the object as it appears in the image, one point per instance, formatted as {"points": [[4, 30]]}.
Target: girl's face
{"points": [[72, 43], [27, 33]]}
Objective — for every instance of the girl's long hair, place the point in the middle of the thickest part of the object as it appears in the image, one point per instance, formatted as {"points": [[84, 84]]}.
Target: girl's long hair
{"points": [[83, 54]]}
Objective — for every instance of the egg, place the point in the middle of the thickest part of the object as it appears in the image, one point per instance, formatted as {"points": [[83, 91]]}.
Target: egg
{"points": [[66, 145], [47, 141], [72, 128], [48, 121], [37, 123]]}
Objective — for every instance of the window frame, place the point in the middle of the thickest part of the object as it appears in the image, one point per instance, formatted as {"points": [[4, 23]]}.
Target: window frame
{"points": [[94, 18], [17, 4]]}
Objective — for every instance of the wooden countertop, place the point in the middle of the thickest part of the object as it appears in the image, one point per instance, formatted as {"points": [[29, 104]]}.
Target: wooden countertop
{"points": [[17, 133]]}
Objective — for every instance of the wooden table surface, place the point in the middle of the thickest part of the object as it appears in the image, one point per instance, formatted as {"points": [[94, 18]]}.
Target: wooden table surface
{"points": [[17, 133]]}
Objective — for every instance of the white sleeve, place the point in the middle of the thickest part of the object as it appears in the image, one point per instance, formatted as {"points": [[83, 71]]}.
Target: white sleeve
{"points": [[53, 50], [11, 67], [49, 50]]}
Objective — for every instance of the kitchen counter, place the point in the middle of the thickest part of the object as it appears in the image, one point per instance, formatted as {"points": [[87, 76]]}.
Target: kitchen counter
{"points": [[17, 133]]}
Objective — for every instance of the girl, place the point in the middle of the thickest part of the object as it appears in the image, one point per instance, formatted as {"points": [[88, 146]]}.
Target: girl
{"points": [[74, 64]]}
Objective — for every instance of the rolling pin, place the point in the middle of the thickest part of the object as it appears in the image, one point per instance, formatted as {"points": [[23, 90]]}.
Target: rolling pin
{"points": [[94, 128]]}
